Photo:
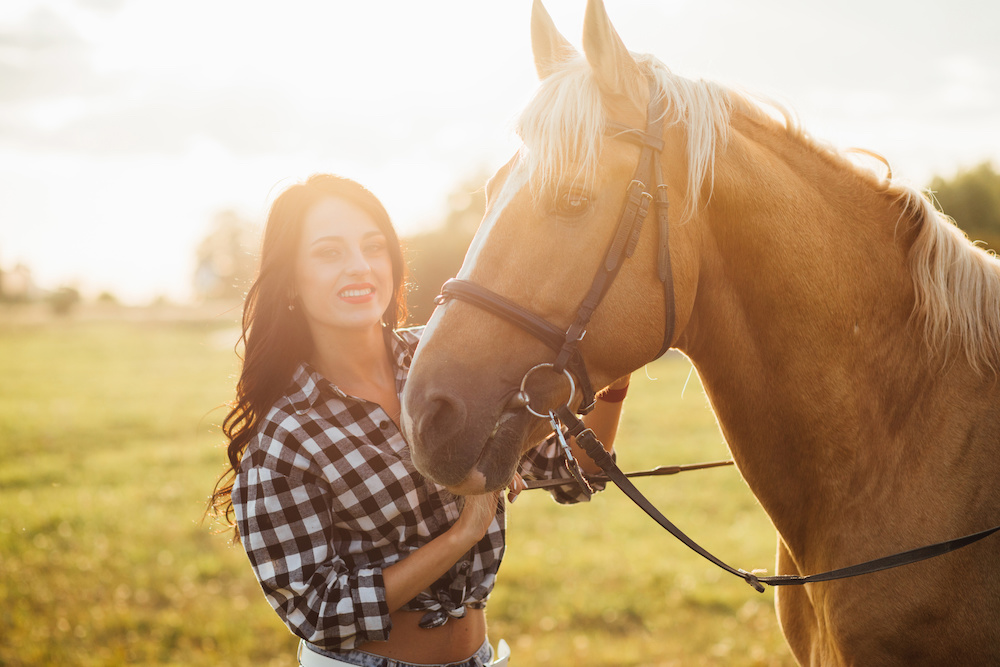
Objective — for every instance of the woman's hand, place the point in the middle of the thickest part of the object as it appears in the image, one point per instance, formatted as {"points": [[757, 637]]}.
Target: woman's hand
{"points": [[517, 485], [477, 515], [404, 579]]}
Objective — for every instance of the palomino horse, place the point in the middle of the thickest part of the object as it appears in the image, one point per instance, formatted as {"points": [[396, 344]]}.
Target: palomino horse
{"points": [[847, 335]]}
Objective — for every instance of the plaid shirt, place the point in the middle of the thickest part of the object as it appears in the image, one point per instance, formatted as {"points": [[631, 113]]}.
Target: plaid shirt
{"points": [[326, 496]]}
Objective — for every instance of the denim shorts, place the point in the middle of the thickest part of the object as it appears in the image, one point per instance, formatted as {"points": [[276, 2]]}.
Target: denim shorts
{"points": [[481, 658]]}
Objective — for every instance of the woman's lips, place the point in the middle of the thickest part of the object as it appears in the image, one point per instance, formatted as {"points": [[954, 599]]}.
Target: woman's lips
{"points": [[362, 293]]}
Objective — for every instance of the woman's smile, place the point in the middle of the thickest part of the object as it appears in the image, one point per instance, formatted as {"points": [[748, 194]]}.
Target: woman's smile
{"points": [[357, 293]]}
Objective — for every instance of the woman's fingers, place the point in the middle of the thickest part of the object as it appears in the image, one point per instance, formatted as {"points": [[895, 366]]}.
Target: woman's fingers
{"points": [[517, 485]]}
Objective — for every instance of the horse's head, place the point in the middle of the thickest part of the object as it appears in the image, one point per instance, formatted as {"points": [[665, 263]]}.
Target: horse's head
{"points": [[553, 216]]}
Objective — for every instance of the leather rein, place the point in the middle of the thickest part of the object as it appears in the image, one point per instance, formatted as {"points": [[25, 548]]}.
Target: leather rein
{"points": [[570, 362]]}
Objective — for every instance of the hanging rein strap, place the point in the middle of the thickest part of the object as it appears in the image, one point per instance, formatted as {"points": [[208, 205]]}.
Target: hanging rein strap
{"points": [[585, 438]]}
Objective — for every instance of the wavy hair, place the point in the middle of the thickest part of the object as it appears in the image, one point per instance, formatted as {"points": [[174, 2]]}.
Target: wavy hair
{"points": [[275, 339]]}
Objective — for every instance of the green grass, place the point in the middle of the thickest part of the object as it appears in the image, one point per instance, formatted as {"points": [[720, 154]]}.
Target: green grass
{"points": [[109, 448]]}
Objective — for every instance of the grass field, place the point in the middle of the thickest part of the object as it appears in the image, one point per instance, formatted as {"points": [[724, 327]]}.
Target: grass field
{"points": [[109, 446]]}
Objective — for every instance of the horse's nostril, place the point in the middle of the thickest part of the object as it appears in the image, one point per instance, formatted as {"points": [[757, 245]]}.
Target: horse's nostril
{"points": [[439, 445], [445, 417]]}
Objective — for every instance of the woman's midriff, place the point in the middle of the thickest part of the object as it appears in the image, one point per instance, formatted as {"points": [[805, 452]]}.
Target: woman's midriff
{"points": [[456, 640]]}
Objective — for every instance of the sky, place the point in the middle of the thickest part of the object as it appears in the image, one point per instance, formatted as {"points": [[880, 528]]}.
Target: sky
{"points": [[127, 125]]}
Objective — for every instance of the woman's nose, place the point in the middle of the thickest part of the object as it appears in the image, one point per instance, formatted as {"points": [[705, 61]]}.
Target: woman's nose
{"points": [[358, 266]]}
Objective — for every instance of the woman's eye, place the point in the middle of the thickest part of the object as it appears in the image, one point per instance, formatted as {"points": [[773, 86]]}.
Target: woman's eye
{"points": [[572, 203], [328, 253]]}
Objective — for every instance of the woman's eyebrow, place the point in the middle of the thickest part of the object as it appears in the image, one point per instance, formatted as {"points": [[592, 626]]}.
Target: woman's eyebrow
{"points": [[334, 237], [323, 239]]}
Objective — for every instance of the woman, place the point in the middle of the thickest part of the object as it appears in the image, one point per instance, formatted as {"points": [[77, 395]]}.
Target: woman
{"points": [[361, 557]]}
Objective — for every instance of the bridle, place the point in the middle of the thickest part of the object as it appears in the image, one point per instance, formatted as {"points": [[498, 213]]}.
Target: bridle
{"points": [[570, 363], [638, 200]]}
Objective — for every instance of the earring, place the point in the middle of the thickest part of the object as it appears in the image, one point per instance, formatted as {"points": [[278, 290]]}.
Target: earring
{"points": [[291, 306]]}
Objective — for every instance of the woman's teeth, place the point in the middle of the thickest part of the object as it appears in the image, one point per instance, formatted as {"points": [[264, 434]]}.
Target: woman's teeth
{"points": [[357, 292]]}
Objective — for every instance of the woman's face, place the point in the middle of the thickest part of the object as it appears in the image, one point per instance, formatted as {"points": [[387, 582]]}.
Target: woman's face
{"points": [[343, 268]]}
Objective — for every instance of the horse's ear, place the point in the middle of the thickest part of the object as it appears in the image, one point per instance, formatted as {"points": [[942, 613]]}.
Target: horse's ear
{"points": [[550, 47], [616, 70]]}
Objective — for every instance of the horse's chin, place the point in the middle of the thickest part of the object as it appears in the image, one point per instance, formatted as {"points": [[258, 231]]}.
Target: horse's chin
{"points": [[493, 471], [473, 485], [498, 460]]}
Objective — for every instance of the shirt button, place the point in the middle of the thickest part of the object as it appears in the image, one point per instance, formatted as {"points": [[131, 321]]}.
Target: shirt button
{"points": [[384, 424]]}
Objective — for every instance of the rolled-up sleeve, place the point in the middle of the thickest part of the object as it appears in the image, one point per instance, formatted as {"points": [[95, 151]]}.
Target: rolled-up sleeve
{"points": [[546, 461], [285, 525]]}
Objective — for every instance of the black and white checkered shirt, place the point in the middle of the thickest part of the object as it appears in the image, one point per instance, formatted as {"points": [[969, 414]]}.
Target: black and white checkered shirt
{"points": [[326, 496]]}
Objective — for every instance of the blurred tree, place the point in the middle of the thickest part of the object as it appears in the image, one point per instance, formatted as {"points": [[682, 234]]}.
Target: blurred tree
{"points": [[972, 199], [63, 300], [434, 256], [19, 285], [107, 298], [226, 258]]}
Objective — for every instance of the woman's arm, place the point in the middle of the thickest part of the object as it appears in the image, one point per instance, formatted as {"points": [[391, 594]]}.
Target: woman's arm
{"points": [[286, 528], [603, 421], [405, 579], [314, 591]]}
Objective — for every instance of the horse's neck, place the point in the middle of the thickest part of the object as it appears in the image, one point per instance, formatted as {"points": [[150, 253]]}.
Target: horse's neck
{"points": [[802, 333]]}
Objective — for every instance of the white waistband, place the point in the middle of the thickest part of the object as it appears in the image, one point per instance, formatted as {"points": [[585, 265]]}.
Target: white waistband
{"points": [[309, 658]]}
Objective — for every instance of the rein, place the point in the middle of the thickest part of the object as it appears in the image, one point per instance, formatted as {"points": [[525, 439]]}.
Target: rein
{"points": [[595, 450], [569, 360], [653, 472]]}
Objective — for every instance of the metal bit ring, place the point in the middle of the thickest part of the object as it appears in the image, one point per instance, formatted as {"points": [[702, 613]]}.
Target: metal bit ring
{"points": [[523, 393]]}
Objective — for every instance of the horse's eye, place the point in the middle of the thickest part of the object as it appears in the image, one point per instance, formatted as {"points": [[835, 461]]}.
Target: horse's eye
{"points": [[572, 204]]}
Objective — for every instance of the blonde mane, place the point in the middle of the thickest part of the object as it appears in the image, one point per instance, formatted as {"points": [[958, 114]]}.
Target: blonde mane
{"points": [[957, 285], [563, 127]]}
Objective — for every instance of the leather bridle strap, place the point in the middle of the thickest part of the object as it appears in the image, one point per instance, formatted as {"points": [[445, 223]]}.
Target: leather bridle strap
{"points": [[585, 438], [664, 269], [505, 309], [652, 138], [622, 246]]}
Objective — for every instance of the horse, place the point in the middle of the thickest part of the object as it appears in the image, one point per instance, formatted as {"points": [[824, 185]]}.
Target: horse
{"points": [[846, 332]]}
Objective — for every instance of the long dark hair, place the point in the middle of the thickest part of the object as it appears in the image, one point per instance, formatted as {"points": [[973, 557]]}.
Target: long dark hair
{"points": [[275, 339]]}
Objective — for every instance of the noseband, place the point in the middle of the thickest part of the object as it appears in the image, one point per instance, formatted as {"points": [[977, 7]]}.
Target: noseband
{"points": [[637, 202]]}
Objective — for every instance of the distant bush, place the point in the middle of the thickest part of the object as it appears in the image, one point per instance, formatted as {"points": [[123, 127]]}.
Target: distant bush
{"points": [[972, 199], [107, 298]]}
